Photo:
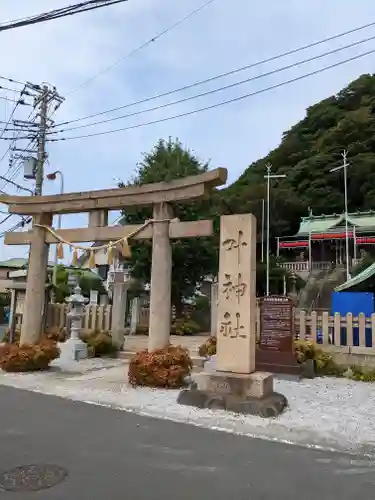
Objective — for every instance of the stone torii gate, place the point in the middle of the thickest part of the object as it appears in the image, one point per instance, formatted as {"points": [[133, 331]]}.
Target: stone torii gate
{"points": [[161, 229]]}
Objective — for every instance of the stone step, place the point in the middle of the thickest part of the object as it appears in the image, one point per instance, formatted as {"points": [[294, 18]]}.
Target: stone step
{"points": [[198, 361], [126, 355]]}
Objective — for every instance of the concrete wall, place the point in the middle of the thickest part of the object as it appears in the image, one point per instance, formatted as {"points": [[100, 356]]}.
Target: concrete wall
{"points": [[349, 356]]}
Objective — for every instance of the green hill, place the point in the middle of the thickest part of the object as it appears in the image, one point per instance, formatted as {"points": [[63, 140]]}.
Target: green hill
{"points": [[307, 153]]}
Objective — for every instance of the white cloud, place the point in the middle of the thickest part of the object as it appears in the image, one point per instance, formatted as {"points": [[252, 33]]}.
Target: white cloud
{"points": [[221, 37]]}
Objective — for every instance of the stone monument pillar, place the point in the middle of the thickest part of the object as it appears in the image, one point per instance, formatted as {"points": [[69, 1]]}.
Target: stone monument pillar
{"points": [[134, 315], [119, 301], [214, 306], [236, 295], [235, 385]]}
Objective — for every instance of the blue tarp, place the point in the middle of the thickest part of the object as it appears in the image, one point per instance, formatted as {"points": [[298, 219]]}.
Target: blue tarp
{"points": [[355, 303]]}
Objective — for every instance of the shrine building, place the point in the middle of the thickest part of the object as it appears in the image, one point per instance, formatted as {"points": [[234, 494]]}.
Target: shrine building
{"points": [[320, 243]]}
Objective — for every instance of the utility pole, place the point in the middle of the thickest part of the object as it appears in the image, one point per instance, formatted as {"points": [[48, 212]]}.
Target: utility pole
{"points": [[269, 176], [39, 177], [46, 100], [344, 167], [263, 211]]}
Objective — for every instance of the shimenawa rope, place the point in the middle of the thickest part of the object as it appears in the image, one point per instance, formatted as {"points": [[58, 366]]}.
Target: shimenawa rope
{"points": [[91, 250]]}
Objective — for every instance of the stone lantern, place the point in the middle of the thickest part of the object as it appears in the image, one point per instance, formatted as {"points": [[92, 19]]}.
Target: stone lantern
{"points": [[74, 348]]}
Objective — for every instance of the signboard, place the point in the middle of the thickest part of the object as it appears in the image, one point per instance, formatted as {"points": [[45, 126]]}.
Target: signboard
{"points": [[276, 323], [275, 351]]}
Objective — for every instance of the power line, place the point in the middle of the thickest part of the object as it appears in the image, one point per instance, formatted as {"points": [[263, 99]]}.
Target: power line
{"points": [[44, 97], [222, 75], [7, 99], [8, 89], [11, 115], [19, 224], [12, 80], [219, 89], [5, 218], [144, 45], [15, 184], [11, 164], [229, 101], [69, 10], [5, 128]]}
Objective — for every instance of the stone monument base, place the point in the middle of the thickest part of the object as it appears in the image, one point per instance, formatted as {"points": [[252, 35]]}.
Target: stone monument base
{"points": [[277, 362], [251, 394], [73, 350]]}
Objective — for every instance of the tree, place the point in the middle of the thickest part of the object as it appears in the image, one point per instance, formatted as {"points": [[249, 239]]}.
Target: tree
{"points": [[86, 281], [192, 259], [307, 153]]}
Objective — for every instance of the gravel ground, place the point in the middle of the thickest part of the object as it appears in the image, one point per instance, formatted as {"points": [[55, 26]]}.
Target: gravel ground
{"points": [[328, 413]]}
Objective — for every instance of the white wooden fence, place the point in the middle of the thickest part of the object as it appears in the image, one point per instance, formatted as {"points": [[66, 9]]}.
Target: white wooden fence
{"points": [[95, 318], [355, 335]]}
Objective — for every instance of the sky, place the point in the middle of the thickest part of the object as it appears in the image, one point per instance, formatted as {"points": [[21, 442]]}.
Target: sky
{"points": [[86, 58]]}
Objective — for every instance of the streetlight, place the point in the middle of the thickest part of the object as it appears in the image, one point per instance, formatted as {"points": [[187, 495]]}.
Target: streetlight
{"points": [[269, 176], [344, 167], [52, 177]]}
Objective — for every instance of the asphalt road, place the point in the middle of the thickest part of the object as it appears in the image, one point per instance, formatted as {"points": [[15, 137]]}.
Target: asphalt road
{"points": [[114, 455]]}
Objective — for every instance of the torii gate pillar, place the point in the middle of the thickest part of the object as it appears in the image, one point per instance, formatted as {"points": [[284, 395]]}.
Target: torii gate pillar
{"points": [[33, 312], [161, 279]]}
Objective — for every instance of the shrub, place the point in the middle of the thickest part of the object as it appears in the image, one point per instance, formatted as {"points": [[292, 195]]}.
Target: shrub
{"points": [[324, 364], [161, 368], [26, 358], [208, 348], [16, 336], [361, 374], [184, 326], [100, 343], [305, 349], [56, 333]]}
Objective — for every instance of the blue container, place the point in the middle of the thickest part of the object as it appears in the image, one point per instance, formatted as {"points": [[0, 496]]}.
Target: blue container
{"points": [[355, 303]]}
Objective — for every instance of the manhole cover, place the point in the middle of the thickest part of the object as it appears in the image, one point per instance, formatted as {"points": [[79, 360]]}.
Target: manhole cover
{"points": [[32, 477]]}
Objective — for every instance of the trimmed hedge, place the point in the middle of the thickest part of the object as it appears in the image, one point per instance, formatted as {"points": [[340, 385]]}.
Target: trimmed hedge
{"points": [[208, 348], [27, 358], [184, 326], [53, 333], [166, 368], [99, 343]]}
